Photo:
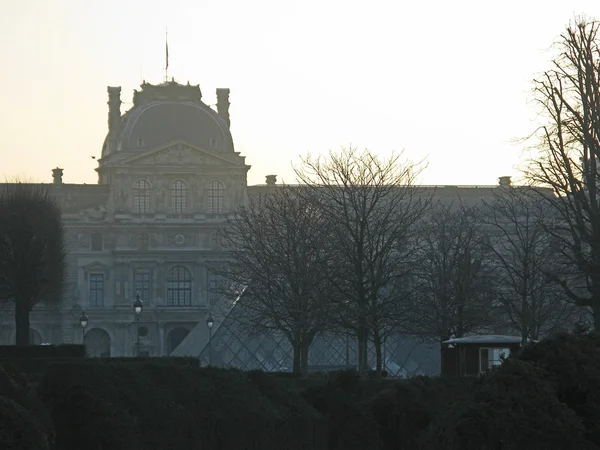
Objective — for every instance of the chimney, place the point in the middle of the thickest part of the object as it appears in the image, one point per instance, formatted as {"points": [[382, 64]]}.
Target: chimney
{"points": [[57, 175], [271, 180], [223, 104], [114, 108], [504, 181]]}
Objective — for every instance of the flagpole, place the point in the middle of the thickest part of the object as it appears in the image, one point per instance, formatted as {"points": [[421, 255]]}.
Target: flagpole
{"points": [[166, 55]]}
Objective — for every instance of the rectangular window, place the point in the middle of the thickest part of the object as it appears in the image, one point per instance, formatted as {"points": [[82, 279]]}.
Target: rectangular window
{"points": [[142, 285], [96, 289], [96, 244], [491, 357]]}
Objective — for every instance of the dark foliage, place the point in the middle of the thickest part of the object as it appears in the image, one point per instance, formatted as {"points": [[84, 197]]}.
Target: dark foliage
{"points": [[19, 429], [33, 255], [42, 351], [544, 397], [341, 400], [572, 364], [297, 417], [406, 408], [512, 408], [157, 406], [23, 420]]}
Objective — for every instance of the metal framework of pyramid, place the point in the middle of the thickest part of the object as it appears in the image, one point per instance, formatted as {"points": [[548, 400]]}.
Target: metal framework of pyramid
{"points": [[403, 355]]}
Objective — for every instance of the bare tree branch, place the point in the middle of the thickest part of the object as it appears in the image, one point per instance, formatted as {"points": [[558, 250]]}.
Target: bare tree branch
{"points": [[374, 208], [525, 252], [452, 279], [279, 251], [568, 96]]}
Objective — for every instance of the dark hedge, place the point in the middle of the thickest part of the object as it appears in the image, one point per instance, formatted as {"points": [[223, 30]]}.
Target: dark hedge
{"points": [[572, 364], [23, 419], [545, 397], [143, 405], [19, 429], [512, 408], [341, 399], [404, 410]]}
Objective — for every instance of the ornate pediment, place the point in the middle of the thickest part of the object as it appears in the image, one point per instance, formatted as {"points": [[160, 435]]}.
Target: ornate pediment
{"points": [[95, 267], [182, 154]]}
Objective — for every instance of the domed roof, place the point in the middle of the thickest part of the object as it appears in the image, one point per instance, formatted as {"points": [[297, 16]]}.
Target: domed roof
{"points": [[166, 113]]}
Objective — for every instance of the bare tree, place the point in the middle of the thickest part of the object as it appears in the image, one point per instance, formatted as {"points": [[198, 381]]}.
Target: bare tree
{"points": [[569, 97], [278, 249], [32, 251], [524, 250], [373, 207], [451, 287]]}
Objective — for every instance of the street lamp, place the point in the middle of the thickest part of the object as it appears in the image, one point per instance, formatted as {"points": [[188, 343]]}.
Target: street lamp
{"points": [[138, 305], [210, 322], [83, 321]]}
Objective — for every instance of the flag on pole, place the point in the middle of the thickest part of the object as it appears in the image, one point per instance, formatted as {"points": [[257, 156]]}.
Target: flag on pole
{"points": [[167, 55]]}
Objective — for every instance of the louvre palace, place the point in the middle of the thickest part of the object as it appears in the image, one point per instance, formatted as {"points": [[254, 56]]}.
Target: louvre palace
{"points": [[167, 177]]}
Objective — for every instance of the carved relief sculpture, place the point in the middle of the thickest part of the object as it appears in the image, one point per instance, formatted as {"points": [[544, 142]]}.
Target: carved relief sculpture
{"points": [[121, 200], [197, 189], [84, 240], [160, 195]]}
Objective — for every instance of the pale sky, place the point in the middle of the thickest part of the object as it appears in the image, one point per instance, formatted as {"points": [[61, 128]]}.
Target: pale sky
{"points": [[444, 81]]}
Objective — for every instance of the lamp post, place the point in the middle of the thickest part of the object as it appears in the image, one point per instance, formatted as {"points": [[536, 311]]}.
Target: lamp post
{"points": [[83, 321], [210, 322], [138, 305]]}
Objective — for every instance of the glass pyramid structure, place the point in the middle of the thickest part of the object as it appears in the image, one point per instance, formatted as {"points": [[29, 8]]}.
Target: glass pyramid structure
{"points": [[403, 355]]}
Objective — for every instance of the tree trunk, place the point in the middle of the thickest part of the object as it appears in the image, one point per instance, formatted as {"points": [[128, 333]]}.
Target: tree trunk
{"points": [[377, 341], [22, 322], [297, 364], [304, 359], [363, 338]]}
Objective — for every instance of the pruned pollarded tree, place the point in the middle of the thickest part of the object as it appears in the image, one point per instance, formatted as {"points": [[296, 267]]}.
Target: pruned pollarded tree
{"points": [[33, 255], [524, 249], [451, 293], [373, 207], [568, 160], [277, 244]]}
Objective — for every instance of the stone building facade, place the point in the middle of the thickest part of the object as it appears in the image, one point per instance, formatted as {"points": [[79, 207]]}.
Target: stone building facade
{"points": [[167, 178]]}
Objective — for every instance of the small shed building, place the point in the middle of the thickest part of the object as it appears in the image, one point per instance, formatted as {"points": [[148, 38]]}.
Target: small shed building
{"points": [[474, 355]]}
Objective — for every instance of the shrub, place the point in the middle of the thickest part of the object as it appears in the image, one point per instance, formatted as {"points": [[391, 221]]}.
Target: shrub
{"points": [[19, 429], [349, 421], [298, 419], [512, 408], [404, 410], [14, 387], [156, 406], [572, 364]]}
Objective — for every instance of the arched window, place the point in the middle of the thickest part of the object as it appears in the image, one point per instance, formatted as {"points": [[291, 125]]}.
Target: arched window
{"points": [[141, 196], [142, 241], [179, 197], [215, 197], [179, 287]]}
